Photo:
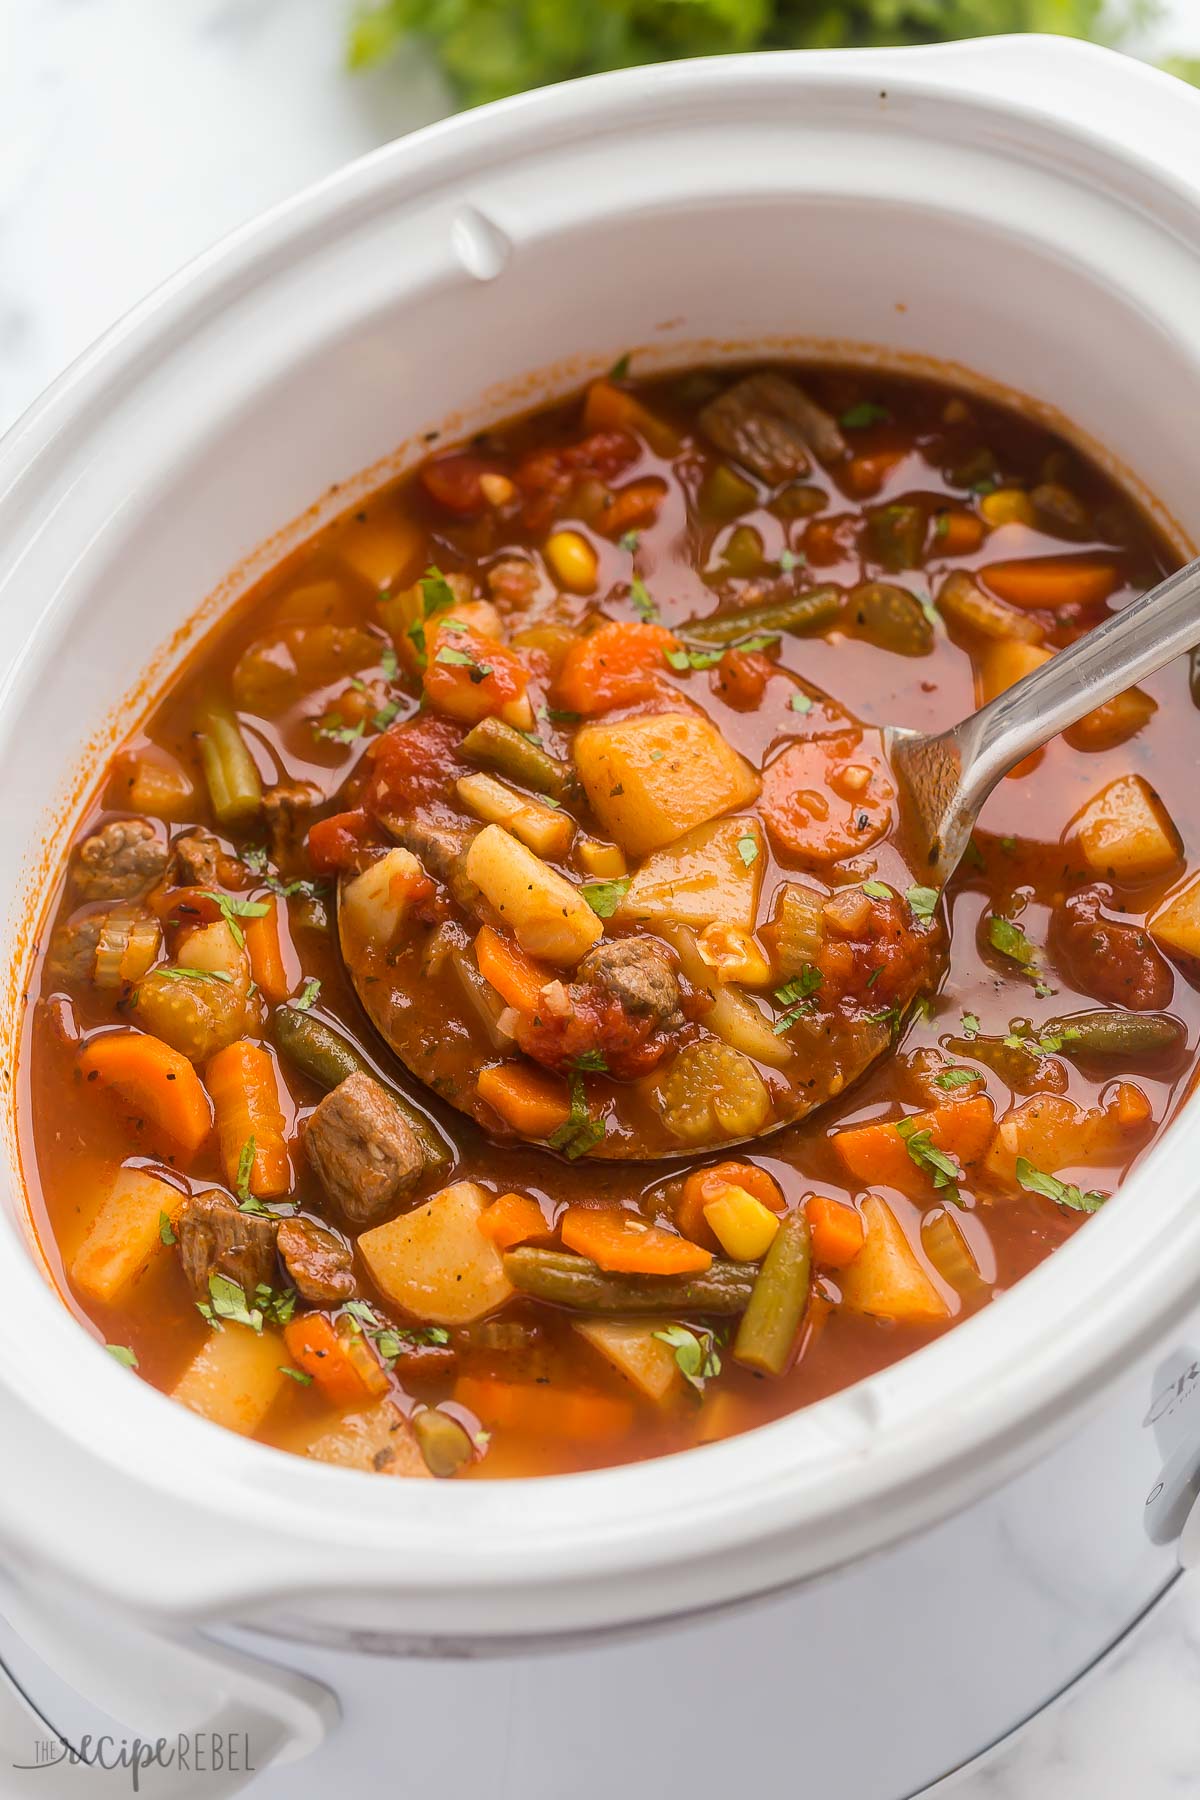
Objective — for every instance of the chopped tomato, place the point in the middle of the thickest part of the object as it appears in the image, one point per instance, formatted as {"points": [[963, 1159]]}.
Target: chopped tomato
{"points": [[337, 843], [740, 678], [472, 677], [545, 477], [453, 481], [616, 665], [413, 764]]}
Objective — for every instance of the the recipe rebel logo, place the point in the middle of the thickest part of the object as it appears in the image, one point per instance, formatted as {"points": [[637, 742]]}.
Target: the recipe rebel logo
{"points": [[143, 1763]]}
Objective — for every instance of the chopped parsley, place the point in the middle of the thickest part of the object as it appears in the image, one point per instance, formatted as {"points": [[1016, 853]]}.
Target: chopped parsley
{"points": [[791, 559], [1010, 940], [245, 1169], [876, 890], [581, 1132], [955, 1077], [449, 656], [969, 1025], [591, 1062], [232, 909], [1064, 1192], [800, 703], [696, 1353], [867, 412], [436, 596], [642, 602], [180, 973], [796, 997], [629, 540], [123, 1354], [748, 848], [166, 1231], [335, 732], [296, 1375], [693, 659], [923, 901], [256, 860], [307, 995], [388, 663], [604, 897], [941, 1168], [620, 368]]}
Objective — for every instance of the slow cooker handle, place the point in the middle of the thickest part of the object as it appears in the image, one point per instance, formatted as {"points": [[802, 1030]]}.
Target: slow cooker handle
{"points": [[157, 1686]]}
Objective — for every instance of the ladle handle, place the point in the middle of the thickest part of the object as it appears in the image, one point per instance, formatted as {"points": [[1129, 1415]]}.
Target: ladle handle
{"points": [[1130, 645]]}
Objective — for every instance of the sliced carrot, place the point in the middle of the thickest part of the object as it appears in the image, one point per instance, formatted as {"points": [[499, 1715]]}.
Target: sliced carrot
{"points": [[531, 1101], [1052, 581], [470, 677], [618, 1240], [616, 665], [878, 1154], [827, 798], [956, 532], [573, 1415], [1130, 1107], [610, 408], [517, 978], [837, 1231], [340, 1362], [155, 1081], [632, 508], [704, 1185], [241, 1080], [265, 951], [515, 1219]]}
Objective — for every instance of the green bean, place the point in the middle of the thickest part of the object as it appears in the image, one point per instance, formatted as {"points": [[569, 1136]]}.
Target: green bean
{"points": [[777, 1305], [808, 612], [327, 1057], [229, 769], [442, 1441], [896, 536], [1118, 1034], [892, 618], [494, 745], [573, 1281]]}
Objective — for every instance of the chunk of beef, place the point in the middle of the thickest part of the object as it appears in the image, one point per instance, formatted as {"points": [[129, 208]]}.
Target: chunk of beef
{"points": [[636, 971], [317, 1261], [71, 957], [769, 424], [365, 1153], [1110, 959], [513, 583], [286, 808], [441, 851], [216, 1237], [195, 859], [120, 861]]}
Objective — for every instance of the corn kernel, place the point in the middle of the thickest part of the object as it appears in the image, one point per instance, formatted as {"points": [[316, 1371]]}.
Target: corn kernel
{"points": [[743, 1224], [497, 490], [733, 955], [604, 861], [572, 561], [1007, 506]]}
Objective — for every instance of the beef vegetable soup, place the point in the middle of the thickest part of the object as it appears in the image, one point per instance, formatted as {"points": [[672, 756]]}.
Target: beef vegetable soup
{"points": [[524, 845]]}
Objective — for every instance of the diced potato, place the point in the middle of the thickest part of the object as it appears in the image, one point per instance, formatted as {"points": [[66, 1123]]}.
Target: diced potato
{"points": [[1053, 1133], [743, 1224], [435, 1262], [1176, 926], [600, 861], [235, 1378], [373, 905], [885, 1279], [384, 548], [275, 672], [161, 786], [733, 1016], [1003, 663], [197, 1016], [549, 917], [650, 779], [733, 955], [723, 1415], [379, 1441], [713, 872], [125, 1235], [538, 826], [1126, 833], [313, 603], [1113, 723], [633, 1349]]}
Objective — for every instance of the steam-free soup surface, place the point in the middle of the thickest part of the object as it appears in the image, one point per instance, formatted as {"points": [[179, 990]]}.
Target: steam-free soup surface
{"points": [[557, 764]]}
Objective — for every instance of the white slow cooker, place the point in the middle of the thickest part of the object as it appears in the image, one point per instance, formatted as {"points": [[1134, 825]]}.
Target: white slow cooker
{"points": [[862, 1596]]}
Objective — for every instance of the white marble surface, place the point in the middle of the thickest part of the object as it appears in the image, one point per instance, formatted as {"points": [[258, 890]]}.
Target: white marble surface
{"points": [[135, 132]]}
